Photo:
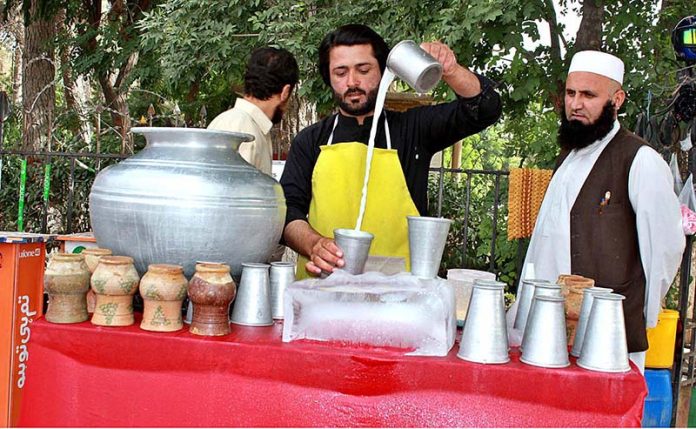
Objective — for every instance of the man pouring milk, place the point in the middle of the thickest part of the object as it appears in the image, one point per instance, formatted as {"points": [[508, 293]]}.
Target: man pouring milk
{"points": [[324, 174]]}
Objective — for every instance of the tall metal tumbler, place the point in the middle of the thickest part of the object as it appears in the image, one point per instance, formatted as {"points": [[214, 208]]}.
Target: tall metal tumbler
{"points": [[356, 247], [282, 274], [546, 343], [484, 338], [524, 299], [413, 65], [604, 347], [587, 300], [253, 304], [540, 289], [426, 242]]}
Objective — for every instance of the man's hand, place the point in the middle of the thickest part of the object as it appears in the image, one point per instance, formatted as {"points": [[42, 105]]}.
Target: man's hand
{"points": [[322, 252], [444, 55], [458, 77], [325, 255]]}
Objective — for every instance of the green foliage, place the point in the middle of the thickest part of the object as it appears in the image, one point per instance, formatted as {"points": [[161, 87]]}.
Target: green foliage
{"points": [[532, 137], [480, 226], [199, 39], [204, 44], [201, 48], [497, 148]]}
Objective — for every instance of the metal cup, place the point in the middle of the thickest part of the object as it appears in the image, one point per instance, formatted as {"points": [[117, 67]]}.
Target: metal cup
{"points": [[585, 308], [426, 242], [414, 66], [252, 307], [604, 345], [540, 289], [524, 300], [282, 274], [356, 247], [484, 338], [546, 344]]}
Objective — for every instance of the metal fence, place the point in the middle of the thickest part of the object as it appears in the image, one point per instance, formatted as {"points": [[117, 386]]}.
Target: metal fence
{"points": [[498, 200], [91, 163], [78, 171]]}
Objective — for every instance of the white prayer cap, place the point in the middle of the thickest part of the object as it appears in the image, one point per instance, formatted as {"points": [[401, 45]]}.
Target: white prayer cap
{"points": [[597, 62]]}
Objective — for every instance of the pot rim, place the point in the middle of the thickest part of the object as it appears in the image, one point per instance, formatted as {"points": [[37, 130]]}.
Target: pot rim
{"points": [[165, 268], [212, 267], [70, 257], [116, 260], [174, 135], [97, 251]]}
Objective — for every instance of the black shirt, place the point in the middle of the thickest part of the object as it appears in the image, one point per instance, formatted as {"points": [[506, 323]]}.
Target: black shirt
{"points": [[416, 134]]}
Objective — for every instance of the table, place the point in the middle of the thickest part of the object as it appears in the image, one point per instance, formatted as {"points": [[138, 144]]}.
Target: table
{"points": [[85, 375]]}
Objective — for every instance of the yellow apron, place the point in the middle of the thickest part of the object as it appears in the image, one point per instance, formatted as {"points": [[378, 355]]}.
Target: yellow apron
{"points": [[337, 183]]}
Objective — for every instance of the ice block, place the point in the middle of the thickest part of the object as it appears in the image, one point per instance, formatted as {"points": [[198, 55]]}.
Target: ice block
{"points": [[401, 311]]}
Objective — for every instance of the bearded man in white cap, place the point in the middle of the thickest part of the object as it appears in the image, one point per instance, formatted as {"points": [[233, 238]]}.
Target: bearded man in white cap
{"points": [[609, 213]]}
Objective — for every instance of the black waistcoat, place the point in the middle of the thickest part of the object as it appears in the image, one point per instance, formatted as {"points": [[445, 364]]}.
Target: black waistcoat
{"points": [[604, 238]]}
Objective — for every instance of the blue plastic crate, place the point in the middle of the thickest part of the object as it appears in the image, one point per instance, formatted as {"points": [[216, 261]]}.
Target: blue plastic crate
{"points": [[658, 405]]}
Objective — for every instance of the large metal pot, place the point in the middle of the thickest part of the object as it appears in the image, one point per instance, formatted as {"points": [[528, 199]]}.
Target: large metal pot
{"points": [[187, 196]]}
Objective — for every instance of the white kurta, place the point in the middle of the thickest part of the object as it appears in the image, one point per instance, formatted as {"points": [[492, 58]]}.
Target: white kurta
{"points": [[246, 117], [658, 221]]}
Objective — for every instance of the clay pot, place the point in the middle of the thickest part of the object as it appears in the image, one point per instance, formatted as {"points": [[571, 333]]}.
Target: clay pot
{"points": [[163, 288], [572, 287], [211, 291], [114, 282], [66, 280], [92, 256]]}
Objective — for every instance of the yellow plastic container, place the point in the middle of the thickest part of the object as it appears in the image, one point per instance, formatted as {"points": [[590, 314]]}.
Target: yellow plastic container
{"points": [[661, 340]]}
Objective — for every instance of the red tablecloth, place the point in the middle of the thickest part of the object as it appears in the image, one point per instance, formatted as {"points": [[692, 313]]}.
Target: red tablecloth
{"points": [[83, 375]]}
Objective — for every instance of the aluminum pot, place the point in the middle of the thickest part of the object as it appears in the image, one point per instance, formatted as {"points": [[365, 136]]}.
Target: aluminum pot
{"points": [[187, 196]]}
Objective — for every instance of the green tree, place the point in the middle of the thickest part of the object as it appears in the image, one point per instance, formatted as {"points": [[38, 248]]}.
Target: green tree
{"points": [[201, 47]]}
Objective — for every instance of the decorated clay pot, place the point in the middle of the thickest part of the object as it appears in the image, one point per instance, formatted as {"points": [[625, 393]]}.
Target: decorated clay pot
{"points": [[211, 291], [572, 287], [66, 280], [92, 256], [163, 288], [114, 282]]}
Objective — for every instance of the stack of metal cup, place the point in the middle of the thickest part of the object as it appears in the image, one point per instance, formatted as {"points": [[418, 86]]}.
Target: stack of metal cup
{"points": [[540, 289], [484, 337], [282, 274], [585, 308], [252, 307], [524, 300], [545, 343], [604, 345]]}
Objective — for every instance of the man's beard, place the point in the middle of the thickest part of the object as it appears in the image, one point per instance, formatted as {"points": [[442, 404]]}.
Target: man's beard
{"points": [[576, 135], [359, 109]]}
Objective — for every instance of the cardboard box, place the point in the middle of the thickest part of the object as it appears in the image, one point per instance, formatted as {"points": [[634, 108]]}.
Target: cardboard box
{"points": [[76, 243], [22, 262]]}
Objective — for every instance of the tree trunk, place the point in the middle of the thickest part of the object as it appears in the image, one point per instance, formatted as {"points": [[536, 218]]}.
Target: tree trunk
{"points": [[556, 37], [75, 88], [115, 90], [590, 31], [17, 71], [299, 114], [15, 26], [38, 87], [118, 108]]}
